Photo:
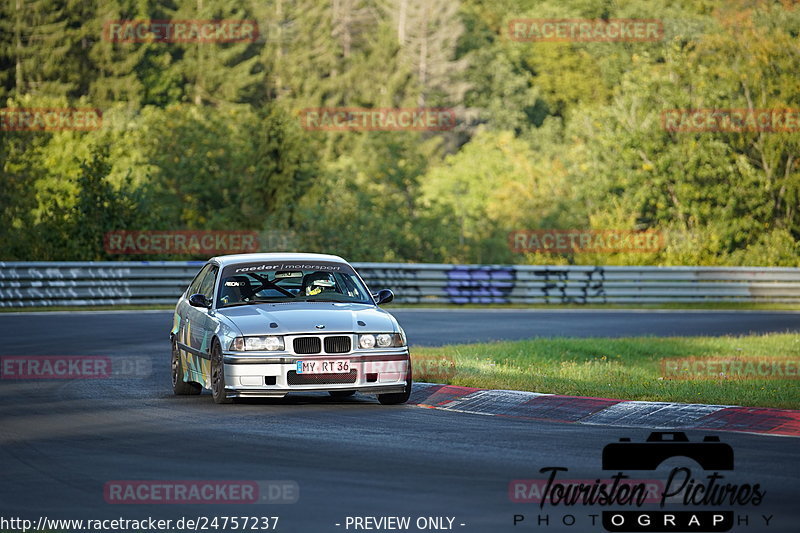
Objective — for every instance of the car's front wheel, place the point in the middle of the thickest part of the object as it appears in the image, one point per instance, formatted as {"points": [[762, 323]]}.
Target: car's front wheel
{"points": [[179, 386], [398, 397], [218, 375]]}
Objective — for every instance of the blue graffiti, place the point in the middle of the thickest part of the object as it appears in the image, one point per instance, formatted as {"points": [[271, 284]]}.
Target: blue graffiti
{"points": [[480, 285]]}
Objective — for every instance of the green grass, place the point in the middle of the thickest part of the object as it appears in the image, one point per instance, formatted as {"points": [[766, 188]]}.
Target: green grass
{"points": [[626, 368]]}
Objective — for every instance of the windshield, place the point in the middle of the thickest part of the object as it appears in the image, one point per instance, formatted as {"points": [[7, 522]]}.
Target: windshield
{"points": [[249, 283]]}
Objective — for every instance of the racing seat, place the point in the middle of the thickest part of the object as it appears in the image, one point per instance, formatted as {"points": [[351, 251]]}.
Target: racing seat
{"points": [[235, 289]]}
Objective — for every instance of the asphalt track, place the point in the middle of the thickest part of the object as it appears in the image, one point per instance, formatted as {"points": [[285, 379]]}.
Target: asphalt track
{"points": [[62, 441]]}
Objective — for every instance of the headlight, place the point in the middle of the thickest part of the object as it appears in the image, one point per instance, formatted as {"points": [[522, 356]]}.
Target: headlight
{"points": [[269, 344], [366, 341], [384, 340], [237, 344], [381, 340]]}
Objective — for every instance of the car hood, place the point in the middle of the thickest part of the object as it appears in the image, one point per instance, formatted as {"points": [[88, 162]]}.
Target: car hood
{"points": [[303, 317]]}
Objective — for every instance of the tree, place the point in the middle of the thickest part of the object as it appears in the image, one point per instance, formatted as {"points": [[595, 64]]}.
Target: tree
{"points": [[101, 207], [280, 171], [216, 72], [494, 185], [428, 32], [36, 44]]}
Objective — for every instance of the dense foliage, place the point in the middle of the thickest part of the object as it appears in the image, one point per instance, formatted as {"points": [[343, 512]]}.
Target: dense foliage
{"points": [[549, 134]]}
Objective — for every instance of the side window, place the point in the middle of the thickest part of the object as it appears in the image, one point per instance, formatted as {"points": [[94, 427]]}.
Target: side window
{"points": [[207, 283], [194, 286]]}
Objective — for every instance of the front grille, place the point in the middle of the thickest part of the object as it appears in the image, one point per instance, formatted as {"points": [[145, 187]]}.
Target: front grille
{"points": [[340, 344], [293, 378], [307, 345]]}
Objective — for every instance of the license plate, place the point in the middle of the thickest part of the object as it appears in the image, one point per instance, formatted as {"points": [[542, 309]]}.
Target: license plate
{"points": [[324, 366]]}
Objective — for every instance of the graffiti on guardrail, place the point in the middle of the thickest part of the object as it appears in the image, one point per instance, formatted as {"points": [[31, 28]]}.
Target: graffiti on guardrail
{"points": [[39, 284], [480, 285], [583, 286], [66, 292], [404, 282]]}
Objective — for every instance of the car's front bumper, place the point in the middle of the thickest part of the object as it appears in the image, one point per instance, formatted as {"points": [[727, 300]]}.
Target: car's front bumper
{"points": [[261, 375]]}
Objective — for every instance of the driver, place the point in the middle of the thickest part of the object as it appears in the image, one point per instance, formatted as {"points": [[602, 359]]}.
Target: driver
{"points": [[319, 282]]}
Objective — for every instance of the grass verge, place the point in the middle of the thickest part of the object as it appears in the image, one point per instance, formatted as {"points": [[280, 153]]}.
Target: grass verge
{"points": [[623, 368]]}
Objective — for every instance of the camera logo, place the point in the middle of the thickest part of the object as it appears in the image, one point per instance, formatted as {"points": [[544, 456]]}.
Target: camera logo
{"points": [[680, 499], [710, 454]]}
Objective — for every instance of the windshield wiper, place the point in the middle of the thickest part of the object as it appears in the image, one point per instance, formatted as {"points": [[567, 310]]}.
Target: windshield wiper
{"points": [[330, 301], [249, 302]]}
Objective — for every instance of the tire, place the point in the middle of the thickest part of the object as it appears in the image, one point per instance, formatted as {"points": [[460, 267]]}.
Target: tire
{"points": [[398, 397], [218, 375], [179, 386], [341, 393]]}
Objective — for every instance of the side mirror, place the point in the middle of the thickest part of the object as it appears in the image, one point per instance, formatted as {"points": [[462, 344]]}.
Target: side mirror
{"points": [[383, 297], [199, 300]]}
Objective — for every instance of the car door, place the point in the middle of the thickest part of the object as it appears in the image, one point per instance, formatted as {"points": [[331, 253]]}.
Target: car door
{"points": [[199, 326], [182, 310]]}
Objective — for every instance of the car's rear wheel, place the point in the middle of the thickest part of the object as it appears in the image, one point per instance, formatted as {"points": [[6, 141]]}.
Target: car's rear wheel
{"points": [[341, 393], [218, 375], [398, 397], [179, 386]]}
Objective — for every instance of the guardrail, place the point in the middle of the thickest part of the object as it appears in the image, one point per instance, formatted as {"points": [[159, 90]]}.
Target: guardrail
{"points": [[161, 282]]}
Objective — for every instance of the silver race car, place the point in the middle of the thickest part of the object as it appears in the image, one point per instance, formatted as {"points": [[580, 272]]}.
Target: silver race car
{"points": [[264, 325]]}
